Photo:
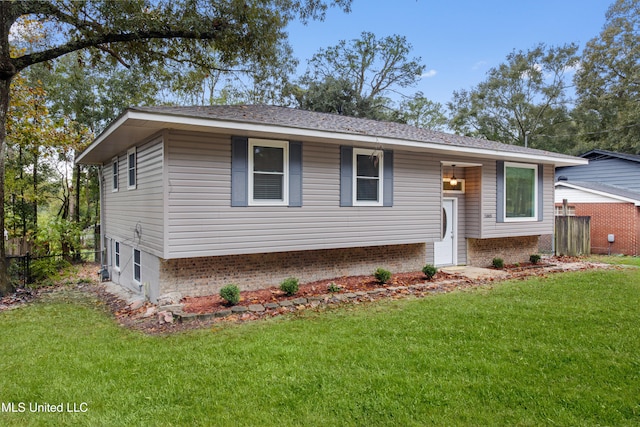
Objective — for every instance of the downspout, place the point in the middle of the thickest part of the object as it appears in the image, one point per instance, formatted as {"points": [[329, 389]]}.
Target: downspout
{"points": [[103, 257]]}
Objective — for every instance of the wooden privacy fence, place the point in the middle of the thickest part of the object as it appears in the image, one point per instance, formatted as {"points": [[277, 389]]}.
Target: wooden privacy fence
{"points": [[573, 235]]}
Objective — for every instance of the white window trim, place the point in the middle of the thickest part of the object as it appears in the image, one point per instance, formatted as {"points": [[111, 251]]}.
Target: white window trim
{"points": [[115, 175], [135, 169], [285, 165], [116, 255], [535, 191], [133, 270], [368, 152]]}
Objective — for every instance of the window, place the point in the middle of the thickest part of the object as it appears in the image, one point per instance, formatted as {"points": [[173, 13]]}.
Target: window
{"points": [[114, 174], [367, 180], [131, 168], [116, 255], [136, 265], [520, 192], [269, 172]]}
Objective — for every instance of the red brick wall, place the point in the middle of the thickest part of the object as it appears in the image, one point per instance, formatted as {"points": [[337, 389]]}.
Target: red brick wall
{"points": [[206, 275], [481, 252], [619, 219]]}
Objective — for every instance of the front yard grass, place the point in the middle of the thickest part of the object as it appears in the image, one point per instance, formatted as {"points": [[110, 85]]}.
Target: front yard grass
{"points": [[561, 350]]}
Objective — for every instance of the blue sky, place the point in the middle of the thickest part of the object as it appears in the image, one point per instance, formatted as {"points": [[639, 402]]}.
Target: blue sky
{"points": [[458, 41]]}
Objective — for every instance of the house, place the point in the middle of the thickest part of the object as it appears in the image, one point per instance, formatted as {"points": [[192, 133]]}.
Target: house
{"points": [[194, 198], [608, 191]]}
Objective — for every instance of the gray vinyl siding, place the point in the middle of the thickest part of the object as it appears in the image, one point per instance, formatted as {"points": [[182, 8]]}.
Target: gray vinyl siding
{"points": [[491, 228], [619, 172], [473, 198], [202, 222], [141, 208]]}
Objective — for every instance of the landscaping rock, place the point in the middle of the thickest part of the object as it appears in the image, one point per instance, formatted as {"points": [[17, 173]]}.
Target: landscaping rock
{"points": [[256, 308], [169, 298], [286, 303], [150, 312], [299, 301], [222, 313], [165, 317], [136, 304], [239, 309], [175, 308], [271, 305]]}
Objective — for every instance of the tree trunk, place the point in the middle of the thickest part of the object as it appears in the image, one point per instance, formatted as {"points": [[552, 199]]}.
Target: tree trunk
{"points": [[5, 285]]}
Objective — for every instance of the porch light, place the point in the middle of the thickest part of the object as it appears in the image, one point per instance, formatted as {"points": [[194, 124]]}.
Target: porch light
{"points": [[453, 181]]}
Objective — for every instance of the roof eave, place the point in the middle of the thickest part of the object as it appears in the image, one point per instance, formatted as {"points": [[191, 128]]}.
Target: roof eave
{"points": [[154, 122], [636, 202]]}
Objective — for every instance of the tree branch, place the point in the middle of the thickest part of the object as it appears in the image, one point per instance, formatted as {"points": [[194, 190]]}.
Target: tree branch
{"points": [[101, 39]]}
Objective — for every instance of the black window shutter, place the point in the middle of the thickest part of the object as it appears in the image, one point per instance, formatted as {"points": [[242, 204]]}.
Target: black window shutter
{"points": [[239, 171]]}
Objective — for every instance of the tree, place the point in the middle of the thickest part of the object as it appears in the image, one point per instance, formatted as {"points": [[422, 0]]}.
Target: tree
{"points": [[145, 32], [421, 112], [360, 74], [520, 99], [608, 83]]}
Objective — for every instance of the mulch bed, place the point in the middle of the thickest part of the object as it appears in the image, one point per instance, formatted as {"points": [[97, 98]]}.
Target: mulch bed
{"points": [[212, 303]]}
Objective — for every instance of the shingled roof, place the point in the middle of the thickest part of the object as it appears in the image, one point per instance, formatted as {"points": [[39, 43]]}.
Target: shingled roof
{"points": [[139, 123], [302, 119]]}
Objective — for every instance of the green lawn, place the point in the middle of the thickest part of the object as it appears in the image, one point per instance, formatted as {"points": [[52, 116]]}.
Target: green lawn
{"points": [[562, 350]]}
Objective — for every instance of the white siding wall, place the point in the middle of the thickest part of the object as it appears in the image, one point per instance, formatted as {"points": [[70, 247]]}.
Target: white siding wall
{"points": [[580, 196], [142, 207], [201, 221]]}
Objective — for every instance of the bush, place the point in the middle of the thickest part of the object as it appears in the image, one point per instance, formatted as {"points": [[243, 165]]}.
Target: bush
{"points": [[332, 287], [429, 271], [382, 275], [231, 294], [46, 269], [535, 258], [289, 286], [498, 263]]}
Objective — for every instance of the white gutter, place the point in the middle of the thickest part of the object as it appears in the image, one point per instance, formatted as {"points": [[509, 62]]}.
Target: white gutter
{"points": [[241, 127], [636, 202]]}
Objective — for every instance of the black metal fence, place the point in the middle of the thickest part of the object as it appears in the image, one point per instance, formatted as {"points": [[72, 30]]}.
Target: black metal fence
{"points": [[25, 270]]}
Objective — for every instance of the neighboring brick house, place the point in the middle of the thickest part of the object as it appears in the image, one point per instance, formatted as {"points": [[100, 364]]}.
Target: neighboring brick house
{"points": [[608, 191], [613, 211], [193, 198]]}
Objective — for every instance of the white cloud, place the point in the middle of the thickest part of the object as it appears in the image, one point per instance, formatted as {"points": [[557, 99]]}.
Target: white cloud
{"points": [[430, 73], [478, 65]]}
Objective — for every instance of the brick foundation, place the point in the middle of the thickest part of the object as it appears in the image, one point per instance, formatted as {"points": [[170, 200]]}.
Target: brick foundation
{"points": [[206, 275], [620, 219], [481, 252]]}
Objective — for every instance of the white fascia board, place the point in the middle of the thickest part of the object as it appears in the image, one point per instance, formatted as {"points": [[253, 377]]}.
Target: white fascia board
{"points": [[636, 202], [241, 127], [120, 121]]}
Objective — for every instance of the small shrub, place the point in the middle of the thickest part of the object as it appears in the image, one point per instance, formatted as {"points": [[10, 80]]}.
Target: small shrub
{"points": [[231, 294], [289, 286], [382, 275], [332, 287], [535, 258], [429, 271], [498, 263]]}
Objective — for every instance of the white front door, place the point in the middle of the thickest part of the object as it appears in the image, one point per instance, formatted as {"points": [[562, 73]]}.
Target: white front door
{"points": [[446, 249]]}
